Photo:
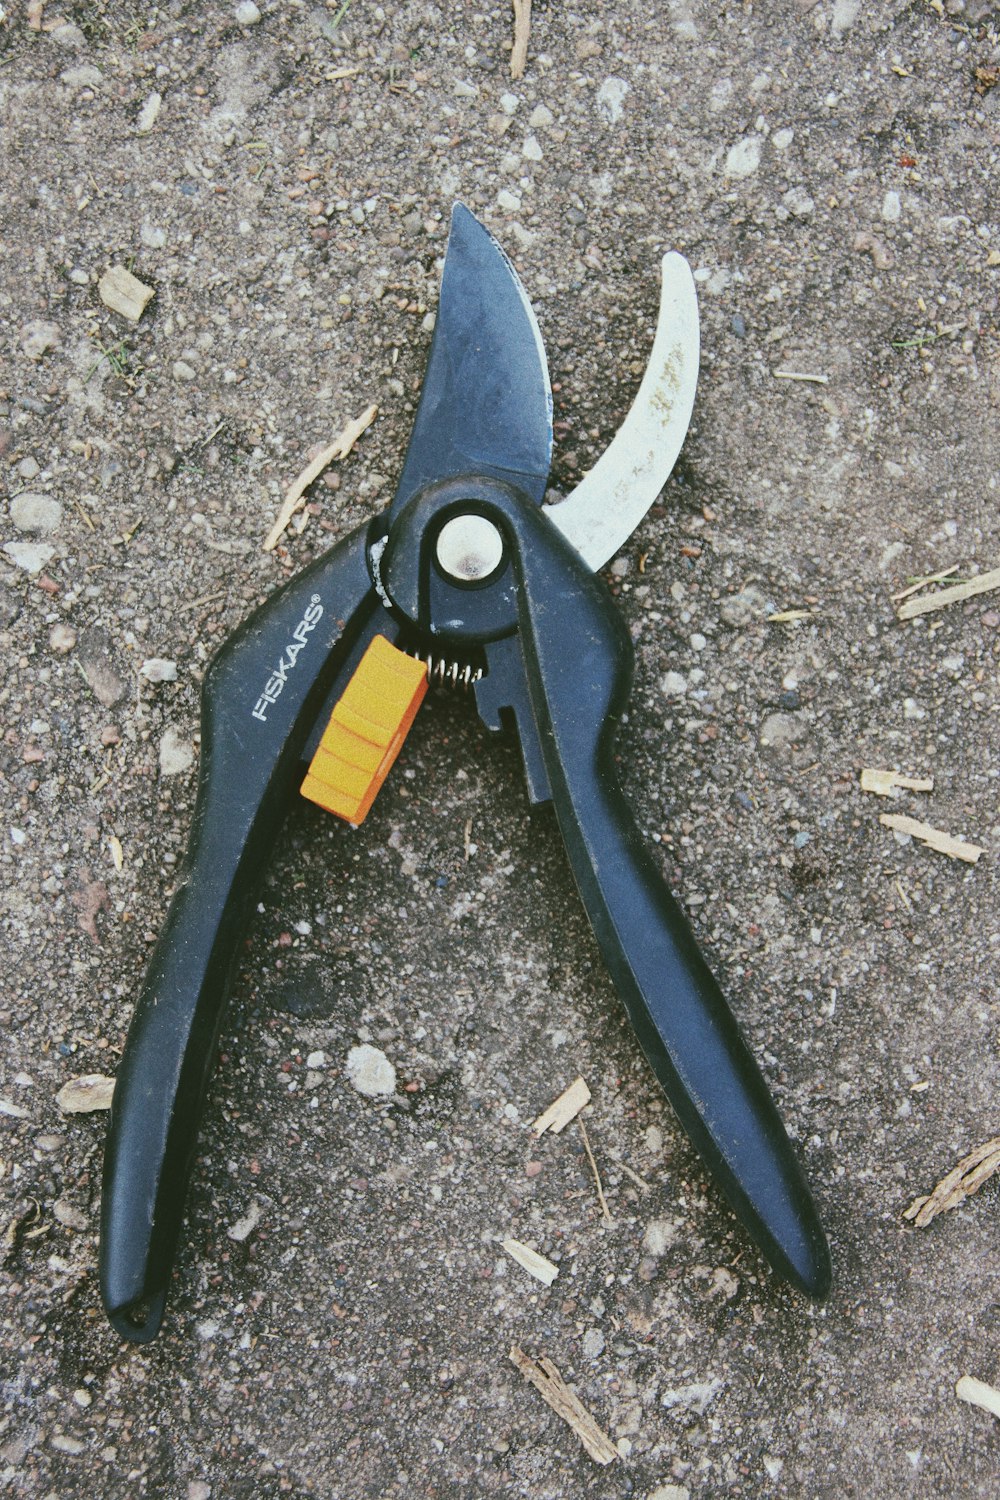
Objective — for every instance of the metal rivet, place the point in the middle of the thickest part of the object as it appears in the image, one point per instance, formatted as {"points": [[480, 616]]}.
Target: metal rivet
{"points": [[469, 548]]}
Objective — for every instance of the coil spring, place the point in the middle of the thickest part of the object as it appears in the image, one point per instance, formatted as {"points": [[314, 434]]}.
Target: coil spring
{"points": [[449, 674]]}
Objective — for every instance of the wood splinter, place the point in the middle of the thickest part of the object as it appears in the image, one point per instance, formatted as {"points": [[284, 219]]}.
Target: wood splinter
{"points": [[522, 31], [982, 584], [934, 838], [563, 1109], [550, 1385], [884, 783], [960, 1183]]}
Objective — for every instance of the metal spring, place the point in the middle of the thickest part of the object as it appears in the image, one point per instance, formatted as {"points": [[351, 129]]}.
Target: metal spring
{"points": [[450, 674]]}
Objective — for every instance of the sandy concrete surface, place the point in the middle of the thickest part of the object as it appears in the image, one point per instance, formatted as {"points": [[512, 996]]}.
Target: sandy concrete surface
{"points": [[282, 179]]}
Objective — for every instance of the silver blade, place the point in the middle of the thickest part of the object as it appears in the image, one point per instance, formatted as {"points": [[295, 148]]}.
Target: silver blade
{"points": [[610, 501]]}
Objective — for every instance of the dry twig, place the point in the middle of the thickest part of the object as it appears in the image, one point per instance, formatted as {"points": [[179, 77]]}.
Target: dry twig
{"points": [[606, 1212], [550, 1385], [959, 591], [960, 1183], [522, 30], [921, 583], [934, 838], [565, 1108], [339, 448]]}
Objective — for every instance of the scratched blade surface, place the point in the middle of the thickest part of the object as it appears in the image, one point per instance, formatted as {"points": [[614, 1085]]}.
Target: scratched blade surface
{"points": [[610, 501], [486, 405]]}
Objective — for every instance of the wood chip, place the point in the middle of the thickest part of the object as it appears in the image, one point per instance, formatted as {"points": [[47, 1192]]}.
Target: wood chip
{"points": [[124, 293], [522, 31], [81, 1096], [978, 1393], [960, 1183], [934, 838], [786, 616], [883, 783], [565, 1108], [959, 591], [339, 448], [536, 1265], [550, 1385]]}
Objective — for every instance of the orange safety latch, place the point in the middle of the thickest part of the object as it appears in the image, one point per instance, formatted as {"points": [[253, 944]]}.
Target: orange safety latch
{"points": [[366, 731]]}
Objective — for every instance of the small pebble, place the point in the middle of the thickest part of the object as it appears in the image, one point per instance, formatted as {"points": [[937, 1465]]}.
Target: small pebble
{"points": [[660, 1235], [38, 514], [673, 684], [181, 370], [61, 1441], [82, 1096], [743, 158], [62, 637], [82, 1397], [38, 337], [798, 203], [176, 753], [593, 1343], [370, 1072], [243, 1228], [68, 36], [892, 207], [28, 468], [68, 1214], [31, 556], [247, 14], [780, 731], [611, 99], [158, 669], [147, 116]]}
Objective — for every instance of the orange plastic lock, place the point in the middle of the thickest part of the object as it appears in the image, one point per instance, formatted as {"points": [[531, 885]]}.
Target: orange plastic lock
{"points": [[366, 731]]}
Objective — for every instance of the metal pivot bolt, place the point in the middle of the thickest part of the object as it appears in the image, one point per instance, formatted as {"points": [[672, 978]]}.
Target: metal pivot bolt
{"points": [[469, 548]]}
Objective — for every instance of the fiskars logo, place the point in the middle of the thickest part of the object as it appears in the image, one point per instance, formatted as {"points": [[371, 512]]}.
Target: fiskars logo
{"points": [[300, 636]]}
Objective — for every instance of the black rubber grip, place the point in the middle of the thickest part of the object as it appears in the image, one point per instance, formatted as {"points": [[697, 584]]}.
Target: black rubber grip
{"points": [[261, 696], [578, 661]]}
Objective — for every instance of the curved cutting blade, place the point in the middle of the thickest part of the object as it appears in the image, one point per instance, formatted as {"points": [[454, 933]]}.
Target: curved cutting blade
{"points": [[486, 405], [610, 501]]}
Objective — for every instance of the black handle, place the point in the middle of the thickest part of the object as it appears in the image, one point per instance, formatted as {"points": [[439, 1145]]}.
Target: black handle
{"points": [[261, 696], [577, 661]]}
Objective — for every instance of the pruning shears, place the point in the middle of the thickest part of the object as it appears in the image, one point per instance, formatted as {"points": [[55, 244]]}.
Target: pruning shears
{"points": [[466, 577]]}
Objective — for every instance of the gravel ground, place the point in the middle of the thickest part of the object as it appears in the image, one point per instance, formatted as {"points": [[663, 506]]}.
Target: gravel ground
{"points": [[282, 178]]}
